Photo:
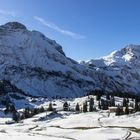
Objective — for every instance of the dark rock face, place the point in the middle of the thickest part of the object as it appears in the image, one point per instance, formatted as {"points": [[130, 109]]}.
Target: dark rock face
{"points": [[6, 87], [14, 25]]}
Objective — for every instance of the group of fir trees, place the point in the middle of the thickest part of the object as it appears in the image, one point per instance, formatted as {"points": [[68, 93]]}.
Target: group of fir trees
{"points": [[86, 106], [27, 113], [104, 103], [10, 108], [124, 109]]}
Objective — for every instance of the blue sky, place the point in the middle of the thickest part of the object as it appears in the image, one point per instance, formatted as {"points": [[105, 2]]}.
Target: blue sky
{"points": [[85, 28]]}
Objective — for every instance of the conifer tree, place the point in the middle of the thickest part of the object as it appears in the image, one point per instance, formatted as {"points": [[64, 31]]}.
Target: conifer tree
{"points": [[136, 104], [50, 108], [91, 103], [107, 97], [26, 113], [7, 109], [99, 105], [15, 116], [34, 111], [77, 107], [112, 101], [85, 107], [41, 109], [98, 97], [65, 106], [124, 102]]}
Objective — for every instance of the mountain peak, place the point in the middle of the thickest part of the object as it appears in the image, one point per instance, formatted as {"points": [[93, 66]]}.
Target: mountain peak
{"points": [[131, 48], [14, 25]]}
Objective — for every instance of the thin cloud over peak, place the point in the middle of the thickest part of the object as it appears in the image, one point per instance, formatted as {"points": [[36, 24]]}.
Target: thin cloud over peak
{"points": [[56, 28]]}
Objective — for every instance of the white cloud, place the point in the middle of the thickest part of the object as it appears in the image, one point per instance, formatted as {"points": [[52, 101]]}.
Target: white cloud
{"points": [[55, 27], [7, 13]]}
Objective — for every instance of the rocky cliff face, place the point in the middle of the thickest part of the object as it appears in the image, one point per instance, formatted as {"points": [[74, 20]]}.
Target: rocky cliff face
{"points": [[37, 66]]}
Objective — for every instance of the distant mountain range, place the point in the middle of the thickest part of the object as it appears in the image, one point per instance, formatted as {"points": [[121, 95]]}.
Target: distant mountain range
{"points": [[37, 66]]}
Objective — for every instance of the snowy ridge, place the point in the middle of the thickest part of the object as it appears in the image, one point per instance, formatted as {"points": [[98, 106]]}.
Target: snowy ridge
{"points": [[126, 56], [122, 66], [38, 66]]}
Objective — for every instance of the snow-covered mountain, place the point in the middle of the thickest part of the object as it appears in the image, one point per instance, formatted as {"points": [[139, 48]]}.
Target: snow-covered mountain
{"points": [[37, 66], [130, 56], [122, 66]]}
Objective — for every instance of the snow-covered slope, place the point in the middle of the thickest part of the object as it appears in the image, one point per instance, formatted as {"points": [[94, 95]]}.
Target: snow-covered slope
{"points": [[130, 56], [123, 67], [38, 66]]}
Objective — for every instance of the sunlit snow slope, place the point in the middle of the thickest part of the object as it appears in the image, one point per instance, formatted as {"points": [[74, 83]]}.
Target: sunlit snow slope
{"points": [[37, 66]]}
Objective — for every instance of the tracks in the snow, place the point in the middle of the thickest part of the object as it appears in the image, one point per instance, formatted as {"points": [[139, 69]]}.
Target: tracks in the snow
{"points": [[127, 135], [64, 137], [48, 135]]}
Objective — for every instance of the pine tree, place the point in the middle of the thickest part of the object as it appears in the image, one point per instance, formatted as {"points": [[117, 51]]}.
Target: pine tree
{"points": [[77, 107], [15, 117], [26, 113], [41, 109], [65, 106], [139, 106], [91, 108], [85, 107], [6, 111], [136, 104], [99, 105], [124, 102], [112, 101], [91, 103], [12, 108], [22, 116], [34, 111], [107, 97], [98, 97], [50, 108], [104, 104], [127, 100]]}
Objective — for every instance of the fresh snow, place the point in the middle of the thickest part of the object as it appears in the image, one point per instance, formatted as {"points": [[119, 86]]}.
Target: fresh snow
{"points": [[38, 67], [70, 125]]}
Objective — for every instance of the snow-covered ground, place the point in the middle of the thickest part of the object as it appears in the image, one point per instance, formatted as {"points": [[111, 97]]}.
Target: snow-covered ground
{"points": [[73, 126]]}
